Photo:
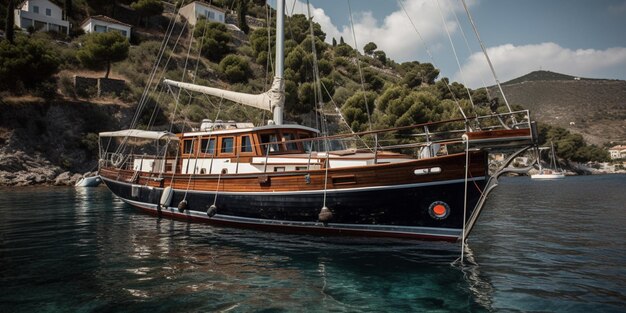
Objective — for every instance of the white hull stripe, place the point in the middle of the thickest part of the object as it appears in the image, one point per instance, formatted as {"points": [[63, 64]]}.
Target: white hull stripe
{"points": [[344, 190], [409, 230]]}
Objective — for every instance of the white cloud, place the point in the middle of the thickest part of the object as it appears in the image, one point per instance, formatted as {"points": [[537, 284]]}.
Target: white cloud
{"points": [[394, 35], [512, 61]]}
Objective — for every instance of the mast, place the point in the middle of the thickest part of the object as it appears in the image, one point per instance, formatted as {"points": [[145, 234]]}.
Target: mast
{"points": [[280, 59], [272, 100], [553, 156]]}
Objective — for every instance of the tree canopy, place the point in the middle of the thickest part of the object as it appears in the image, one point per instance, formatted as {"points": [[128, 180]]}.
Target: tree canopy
{"points": [[369, 48], [99, 50], [148, 8], [235, 68], [27, 62], [212, 39]]}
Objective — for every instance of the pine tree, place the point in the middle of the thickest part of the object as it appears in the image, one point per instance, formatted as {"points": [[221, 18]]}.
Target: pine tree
{"points": [[242, 11], [341, 41], [334, 42]]}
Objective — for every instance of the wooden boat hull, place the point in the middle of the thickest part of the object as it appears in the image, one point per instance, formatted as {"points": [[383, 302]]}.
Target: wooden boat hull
{"points": [[364, 208]]}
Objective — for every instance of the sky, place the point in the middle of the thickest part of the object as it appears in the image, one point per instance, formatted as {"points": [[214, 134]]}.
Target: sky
{"points": [[585, 38]]}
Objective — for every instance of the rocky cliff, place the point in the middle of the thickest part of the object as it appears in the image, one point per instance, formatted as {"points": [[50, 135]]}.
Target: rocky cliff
{"points": [[47, 142]]}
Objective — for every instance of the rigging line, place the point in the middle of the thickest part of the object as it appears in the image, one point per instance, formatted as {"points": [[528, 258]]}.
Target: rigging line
{"points": [[156, 108], [195, 165], [268, 62], [432, 59], [316, 73], [456, 57], [463, 243], [144, 96], [179, 90], [204, 29], [269, 65], [341, 118], [358, 63], [493, 71], [162, 49], [469, 50]]}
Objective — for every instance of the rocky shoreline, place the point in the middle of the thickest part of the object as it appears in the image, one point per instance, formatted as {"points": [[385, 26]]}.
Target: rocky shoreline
{"points": [[21, 169]]}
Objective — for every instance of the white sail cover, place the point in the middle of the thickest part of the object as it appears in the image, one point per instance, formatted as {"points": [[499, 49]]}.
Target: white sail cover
{"points": [[268, 100], [138, 133]]}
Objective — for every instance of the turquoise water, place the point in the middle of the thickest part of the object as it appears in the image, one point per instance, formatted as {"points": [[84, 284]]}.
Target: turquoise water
{"points": [[538, 247]]}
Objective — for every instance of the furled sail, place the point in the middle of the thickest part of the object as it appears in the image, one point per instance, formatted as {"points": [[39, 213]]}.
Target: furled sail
{"points": [[268, 100]]}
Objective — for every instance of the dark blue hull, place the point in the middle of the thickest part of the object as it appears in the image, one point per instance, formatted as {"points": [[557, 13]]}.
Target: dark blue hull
{"points": [[390, 211]]}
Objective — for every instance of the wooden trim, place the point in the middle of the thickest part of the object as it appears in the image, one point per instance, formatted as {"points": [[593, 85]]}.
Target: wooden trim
{"points": [[453, 168], [493, 134]]}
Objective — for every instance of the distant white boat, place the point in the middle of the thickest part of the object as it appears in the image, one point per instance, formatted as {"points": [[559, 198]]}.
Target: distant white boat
{"points": [[91, 181], [546, 173]]}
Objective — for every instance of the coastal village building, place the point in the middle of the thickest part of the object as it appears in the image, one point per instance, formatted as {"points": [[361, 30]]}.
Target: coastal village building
{"points": [[618, 152], [101, 24], [41, 15], [193, 11]]}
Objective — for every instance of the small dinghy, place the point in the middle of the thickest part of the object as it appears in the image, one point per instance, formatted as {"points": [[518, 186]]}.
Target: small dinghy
{"points": [[91, 181]]}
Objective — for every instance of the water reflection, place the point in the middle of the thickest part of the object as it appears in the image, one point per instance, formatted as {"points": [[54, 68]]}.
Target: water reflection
{"points": [[247, 269], [100, 254]]}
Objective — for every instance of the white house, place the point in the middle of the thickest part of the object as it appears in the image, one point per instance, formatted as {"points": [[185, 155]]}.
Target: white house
{"points": [[101, 24], [618, 152], [41, 15], [196, 9]]}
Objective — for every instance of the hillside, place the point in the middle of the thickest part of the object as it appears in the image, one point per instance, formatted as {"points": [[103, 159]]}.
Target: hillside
{"points": [[594, 108], [47, 116]]}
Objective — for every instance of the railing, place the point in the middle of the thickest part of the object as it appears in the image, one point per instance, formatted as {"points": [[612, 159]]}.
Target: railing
{"points": [[415, 141]]}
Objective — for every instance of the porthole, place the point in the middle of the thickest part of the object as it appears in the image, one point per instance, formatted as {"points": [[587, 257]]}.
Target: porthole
{"points": [[439, 210]]}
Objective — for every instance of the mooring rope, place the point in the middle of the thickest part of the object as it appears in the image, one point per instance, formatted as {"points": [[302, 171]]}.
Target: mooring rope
{"points": [[465, 195]]}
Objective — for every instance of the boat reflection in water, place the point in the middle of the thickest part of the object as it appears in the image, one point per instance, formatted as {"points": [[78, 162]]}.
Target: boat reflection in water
{"points": [[244, 269]]}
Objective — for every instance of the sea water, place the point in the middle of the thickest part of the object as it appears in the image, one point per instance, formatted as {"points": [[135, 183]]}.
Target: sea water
{"points": [[539, 246]]}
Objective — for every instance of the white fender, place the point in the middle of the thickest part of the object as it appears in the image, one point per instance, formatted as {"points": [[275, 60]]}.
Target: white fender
{"points": [[166, 197]]}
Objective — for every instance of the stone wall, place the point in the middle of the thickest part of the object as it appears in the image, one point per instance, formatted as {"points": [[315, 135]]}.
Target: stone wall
{"points": [[108, 85], [83, 84], [100, 86]]}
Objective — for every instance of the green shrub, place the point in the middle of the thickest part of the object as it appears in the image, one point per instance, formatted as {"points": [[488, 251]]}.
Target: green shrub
{"points": [[235, 68], [26, 63]]}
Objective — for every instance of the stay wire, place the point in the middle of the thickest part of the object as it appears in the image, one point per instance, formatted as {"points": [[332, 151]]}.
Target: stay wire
{"points": [[482, 46], [456, 56], [432, 59]]}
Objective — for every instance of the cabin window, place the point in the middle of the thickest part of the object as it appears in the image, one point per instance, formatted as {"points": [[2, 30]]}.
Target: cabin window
{"points": [[266, 139], [301, 168], [291, 146], [227, 145], [188, 146], [99, 28], [48, 12], [306, 144], [246, 144], [279, 169], [35, 9], [207, 146]]}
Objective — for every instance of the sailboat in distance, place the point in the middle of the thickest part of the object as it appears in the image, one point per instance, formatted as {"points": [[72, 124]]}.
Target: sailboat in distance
{"points": [[553, 172], [423, 181]]}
